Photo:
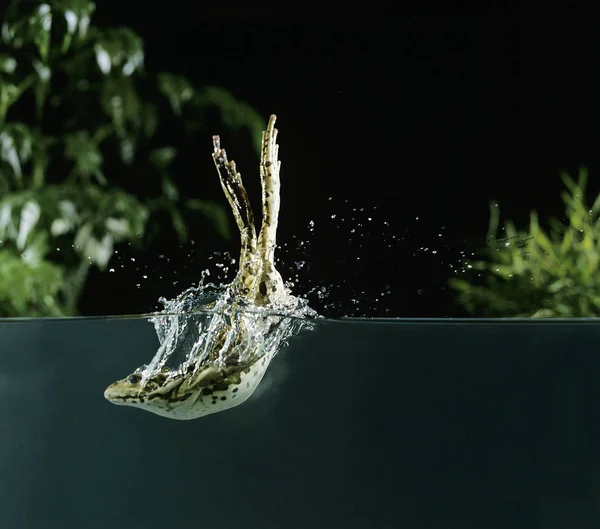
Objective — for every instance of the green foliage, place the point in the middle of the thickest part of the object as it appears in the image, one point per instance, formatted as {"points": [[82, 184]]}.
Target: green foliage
{"points": [[235, 114], [76, 110], [539, 273], [29, 286]]}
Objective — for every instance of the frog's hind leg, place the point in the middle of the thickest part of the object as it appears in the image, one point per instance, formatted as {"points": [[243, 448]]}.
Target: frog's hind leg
{"points": [[269, 283], [235, 192]]}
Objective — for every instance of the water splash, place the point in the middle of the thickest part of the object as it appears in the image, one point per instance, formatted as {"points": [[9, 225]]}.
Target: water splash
{"points": [[222, 339], [209, 326]]}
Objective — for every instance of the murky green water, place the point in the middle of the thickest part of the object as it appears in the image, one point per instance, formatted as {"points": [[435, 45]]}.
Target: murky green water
{"points": [[359, 424]]}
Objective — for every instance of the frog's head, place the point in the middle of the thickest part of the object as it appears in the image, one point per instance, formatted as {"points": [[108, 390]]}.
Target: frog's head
{"points": [[160, 393]]}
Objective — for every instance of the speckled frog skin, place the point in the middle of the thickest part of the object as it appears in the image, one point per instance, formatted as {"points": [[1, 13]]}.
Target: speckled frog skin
{"points": [[211, 387]]}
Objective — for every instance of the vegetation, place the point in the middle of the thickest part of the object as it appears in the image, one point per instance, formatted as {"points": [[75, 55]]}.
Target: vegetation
{"points": [[539, 273], [77, 113]]}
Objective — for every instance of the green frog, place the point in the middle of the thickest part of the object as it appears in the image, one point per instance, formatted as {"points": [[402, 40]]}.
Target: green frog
{"points": [[247, 324]]}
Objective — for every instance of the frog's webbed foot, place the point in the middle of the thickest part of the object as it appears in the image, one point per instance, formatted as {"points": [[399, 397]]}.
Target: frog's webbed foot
{"points": [[235, 192], [269, 178], [269, 281]]}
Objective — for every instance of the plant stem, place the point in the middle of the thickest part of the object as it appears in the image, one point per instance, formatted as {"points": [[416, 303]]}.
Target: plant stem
{"points": [[74, 286]]}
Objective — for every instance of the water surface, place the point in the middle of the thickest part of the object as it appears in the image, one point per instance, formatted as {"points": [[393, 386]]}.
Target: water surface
{"points": [[359, 424]]}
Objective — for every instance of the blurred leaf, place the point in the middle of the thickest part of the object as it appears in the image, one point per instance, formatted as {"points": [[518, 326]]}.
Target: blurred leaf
{"points": [[36, 250], [67, 219], [169, 189], [178, 222], [8, 227], [121, 103], [29, 289], [119, 50], [77, 14], [42, 87], [178, 90], [235, 113], [84, 233], [119, 228], [16, 146], [30, 214], [40, 24], [40, 159], [215, 213], [8, 64], [162, 158], [10, 93], [83, 150], [99, 251], [559, 284]]}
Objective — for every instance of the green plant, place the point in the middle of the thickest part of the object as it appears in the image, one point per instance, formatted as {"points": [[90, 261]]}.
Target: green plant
{"points": [[539, 273], [77, 110]]}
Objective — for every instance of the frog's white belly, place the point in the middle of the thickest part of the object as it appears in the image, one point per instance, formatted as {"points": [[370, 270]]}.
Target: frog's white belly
{"points": [[200, 403]]}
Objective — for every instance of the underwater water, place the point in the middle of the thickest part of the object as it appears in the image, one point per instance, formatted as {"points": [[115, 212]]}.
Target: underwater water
{"points": [[357, 424]]}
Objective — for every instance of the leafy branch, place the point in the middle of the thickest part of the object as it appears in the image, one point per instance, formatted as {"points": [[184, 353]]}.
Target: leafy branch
{"points": [[539, 272], [78, 110]]}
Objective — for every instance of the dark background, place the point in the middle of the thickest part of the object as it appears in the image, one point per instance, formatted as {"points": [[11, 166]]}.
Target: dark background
{"points": [[419, 115]]}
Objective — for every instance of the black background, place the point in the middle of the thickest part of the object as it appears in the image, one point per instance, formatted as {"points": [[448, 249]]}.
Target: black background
{"points": [[412, 109]]}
